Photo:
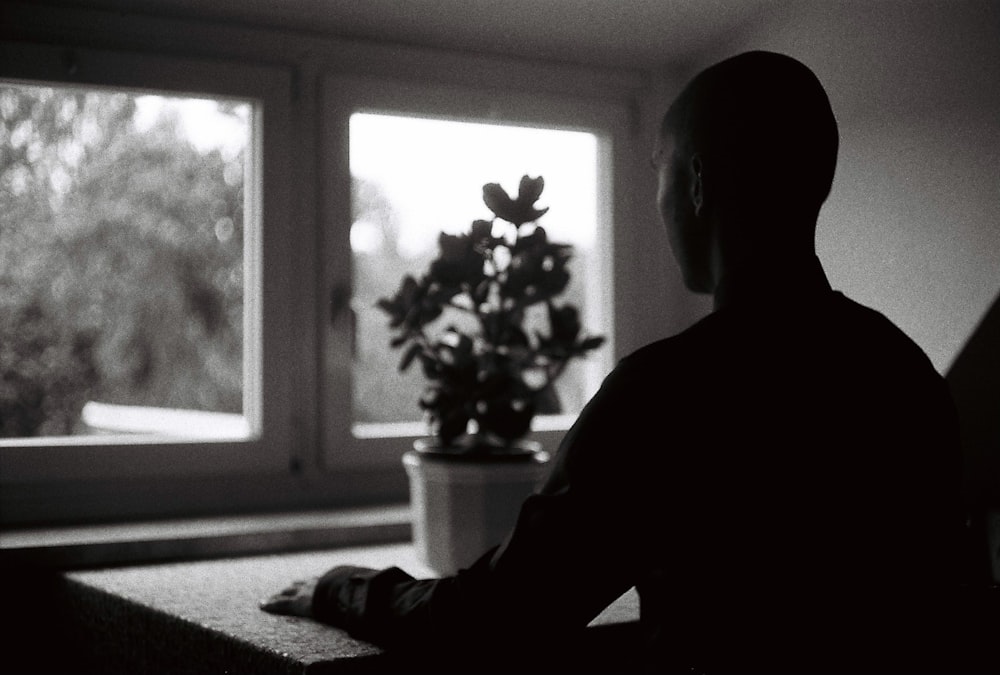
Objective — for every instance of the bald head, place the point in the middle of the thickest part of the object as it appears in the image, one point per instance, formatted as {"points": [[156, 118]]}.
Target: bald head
{"points": [[763, 127]]}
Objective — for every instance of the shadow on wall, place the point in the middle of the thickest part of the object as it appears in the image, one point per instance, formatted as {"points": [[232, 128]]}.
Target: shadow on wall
{"points": [[974, 378]]}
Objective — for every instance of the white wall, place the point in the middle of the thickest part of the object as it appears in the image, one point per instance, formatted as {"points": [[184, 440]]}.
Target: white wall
{"points": [[656, 304], [912, 227]]}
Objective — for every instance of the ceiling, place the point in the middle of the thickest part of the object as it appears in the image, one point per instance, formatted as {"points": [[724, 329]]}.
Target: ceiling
{"points": [[624, 33]]}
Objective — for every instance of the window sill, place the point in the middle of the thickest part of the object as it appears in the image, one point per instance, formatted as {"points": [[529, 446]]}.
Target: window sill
{"points": [[203, 616], [107, 418], [192, 539]]}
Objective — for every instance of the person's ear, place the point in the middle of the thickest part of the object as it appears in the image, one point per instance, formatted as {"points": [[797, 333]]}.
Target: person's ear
{"points": [[696, 188]]}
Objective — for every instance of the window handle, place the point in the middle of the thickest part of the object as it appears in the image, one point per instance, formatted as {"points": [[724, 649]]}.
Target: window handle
{"points": [[340, 305]]}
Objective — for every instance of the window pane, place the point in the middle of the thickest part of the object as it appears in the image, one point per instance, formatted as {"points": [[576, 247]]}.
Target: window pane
{"points": [[121, 262], [413, 178]]}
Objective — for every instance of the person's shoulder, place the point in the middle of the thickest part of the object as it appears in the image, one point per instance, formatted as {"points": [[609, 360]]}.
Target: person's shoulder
{"points": [[654, 370], [881, 340], [871, 323], [680, 349], [859, 312]]}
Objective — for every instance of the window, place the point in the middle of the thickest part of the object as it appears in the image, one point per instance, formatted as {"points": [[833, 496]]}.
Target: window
{"points": [[281, 421], [148, 280], [417, 158], [122, 286], [412, 178]]}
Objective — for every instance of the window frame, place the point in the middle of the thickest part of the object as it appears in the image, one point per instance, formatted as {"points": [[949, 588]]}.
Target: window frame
{"points": [[302, 465], [35, 474], [342, 95]]}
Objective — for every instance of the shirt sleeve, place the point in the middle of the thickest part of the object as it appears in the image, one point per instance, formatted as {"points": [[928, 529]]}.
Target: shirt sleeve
{"points": [[576, 547]]}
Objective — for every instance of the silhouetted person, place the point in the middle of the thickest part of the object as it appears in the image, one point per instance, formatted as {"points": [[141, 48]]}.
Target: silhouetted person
{"points": [[780, 481]]}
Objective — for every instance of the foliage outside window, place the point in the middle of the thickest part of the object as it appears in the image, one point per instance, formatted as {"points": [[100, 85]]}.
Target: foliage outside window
{"points": [[121, 256]]}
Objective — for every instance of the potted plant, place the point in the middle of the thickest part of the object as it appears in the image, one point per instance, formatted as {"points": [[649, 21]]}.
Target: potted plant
{"points": [[484, 325]]}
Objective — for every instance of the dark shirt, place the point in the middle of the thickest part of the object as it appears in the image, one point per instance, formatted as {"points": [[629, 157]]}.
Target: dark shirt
{"points": [[780, 482]]}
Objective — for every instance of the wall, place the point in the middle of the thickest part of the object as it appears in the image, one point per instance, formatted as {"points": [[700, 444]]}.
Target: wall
{"points": [[912, 227], [662, 306]]}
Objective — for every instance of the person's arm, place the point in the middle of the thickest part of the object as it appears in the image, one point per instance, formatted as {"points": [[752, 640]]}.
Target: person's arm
{"points": [[577, 546]]}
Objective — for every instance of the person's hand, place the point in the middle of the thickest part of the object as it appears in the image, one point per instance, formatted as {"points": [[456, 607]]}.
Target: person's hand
{"points": [[295, 600]]}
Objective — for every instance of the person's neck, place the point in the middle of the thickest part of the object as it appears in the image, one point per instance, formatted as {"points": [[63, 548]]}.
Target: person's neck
{"points": [[769, 280]]}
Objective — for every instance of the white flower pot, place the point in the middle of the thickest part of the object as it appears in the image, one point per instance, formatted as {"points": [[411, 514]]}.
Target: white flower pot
{"points": [[462, 506]]}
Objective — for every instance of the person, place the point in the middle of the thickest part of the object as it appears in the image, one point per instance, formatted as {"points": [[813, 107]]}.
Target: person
{"points": [[780, 481]]}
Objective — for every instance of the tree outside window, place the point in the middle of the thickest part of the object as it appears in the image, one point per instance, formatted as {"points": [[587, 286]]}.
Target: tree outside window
{"points": [[121, 255]]}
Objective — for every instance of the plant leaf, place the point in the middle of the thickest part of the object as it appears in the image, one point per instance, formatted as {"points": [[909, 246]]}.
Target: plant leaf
{"points": [[408, 357]]}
